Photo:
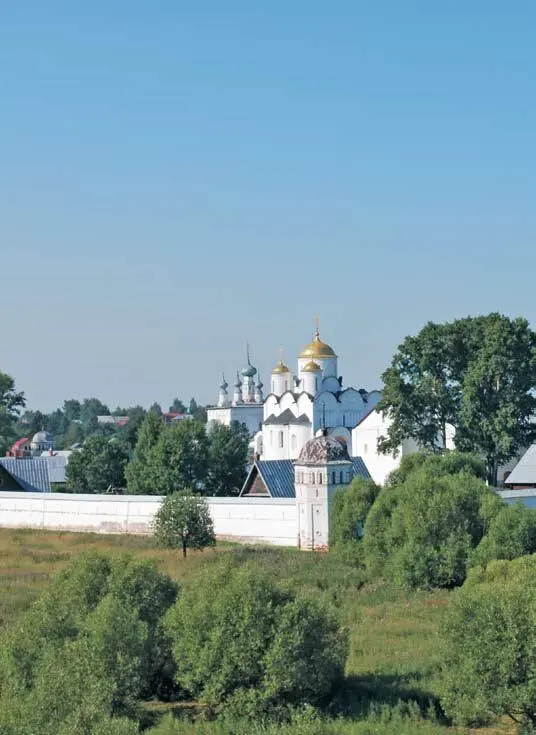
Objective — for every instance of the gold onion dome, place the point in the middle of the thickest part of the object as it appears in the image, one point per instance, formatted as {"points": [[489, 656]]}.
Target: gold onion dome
{"points": [[311, 367], [280, 368], [317, 348]]}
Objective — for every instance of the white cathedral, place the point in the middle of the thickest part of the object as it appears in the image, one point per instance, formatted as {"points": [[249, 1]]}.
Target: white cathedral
{"points": [[298, 407]]}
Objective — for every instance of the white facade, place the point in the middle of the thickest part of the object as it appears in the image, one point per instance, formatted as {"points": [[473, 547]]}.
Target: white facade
{"points": [[365, 445], [246, 406], [299, 407]]}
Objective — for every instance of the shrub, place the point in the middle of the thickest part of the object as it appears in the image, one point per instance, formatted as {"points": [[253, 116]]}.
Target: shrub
{"points": [[422, 533], [350, 509], [490, 645], [512, 533], [449, 463], [101, 615], [182, 522], [235, 630]]}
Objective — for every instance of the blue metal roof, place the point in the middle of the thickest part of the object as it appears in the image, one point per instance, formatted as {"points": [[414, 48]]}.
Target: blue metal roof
{"points": [[31, 473], [278, 476], [360, 468]]}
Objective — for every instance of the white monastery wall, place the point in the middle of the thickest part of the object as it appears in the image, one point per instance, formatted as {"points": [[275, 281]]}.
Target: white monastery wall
{"points": [[250, 520]]}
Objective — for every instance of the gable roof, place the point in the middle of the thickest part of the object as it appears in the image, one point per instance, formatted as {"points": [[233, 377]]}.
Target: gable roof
{"points": [[277, 476], [524, 473], [287, 417], [31, 473]]}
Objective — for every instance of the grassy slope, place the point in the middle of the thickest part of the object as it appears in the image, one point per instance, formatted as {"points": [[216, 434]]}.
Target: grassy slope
{"points": [[394, 640]]}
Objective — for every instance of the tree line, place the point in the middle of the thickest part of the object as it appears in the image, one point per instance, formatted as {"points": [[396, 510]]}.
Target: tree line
{"points": [[167, 458]]}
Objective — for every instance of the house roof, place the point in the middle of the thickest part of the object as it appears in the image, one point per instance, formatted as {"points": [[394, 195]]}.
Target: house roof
{"points": [[524, 473], [57, 466], [287, 417], [278, 475], [31, 473]]}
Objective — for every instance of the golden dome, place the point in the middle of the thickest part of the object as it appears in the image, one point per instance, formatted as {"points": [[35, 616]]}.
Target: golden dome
{"points": [[280, 368], [311, 367], [317, 348]]}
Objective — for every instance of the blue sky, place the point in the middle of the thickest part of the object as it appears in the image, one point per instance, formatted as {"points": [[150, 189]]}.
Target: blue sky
{"points": [[177, 178]]}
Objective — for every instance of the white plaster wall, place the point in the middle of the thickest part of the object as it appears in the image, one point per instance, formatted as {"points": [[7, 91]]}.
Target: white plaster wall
{"points": [[250, 520], [251, 415], [365, 445]]}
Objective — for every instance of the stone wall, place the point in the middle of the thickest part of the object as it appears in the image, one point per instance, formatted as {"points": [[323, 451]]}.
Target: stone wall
{"points": [[249, 520]]}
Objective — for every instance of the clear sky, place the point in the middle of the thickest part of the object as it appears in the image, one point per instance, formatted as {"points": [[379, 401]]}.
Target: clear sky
{"points": [[178, 177]]}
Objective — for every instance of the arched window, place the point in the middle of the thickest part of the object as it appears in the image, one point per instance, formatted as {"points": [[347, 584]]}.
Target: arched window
{"points": [[281, 440], [319, 478], [293, 441], [312, 478]]}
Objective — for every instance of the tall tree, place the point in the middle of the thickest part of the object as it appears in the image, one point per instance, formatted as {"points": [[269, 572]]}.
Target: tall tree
{"points": [[228, 455], [91, 408], [100, 463], [140, 470], [180, 459], [11, 402], [478, 374], [498, 404], [72, 409], [177, 406]]}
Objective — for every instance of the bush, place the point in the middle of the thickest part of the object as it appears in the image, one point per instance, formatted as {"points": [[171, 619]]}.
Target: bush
{"points": [[98, 623], [423, 532], [350, 509], [449, 463], [490, 645], [182, 522], [512, 533], [237, 636]]}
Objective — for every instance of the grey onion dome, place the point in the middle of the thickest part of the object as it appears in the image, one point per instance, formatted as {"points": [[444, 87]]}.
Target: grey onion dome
{"points": [[249, 372], [259, 382], [324, 449], [224, 384], [41, 437], [238, 383]]}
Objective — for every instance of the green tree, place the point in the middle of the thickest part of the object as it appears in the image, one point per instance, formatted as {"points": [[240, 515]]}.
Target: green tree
{"points": [[11, 403], [498, 402], [350, 509], [489, 657], [423, 533], [72, 409], [91, 408], [100, 463], [184, 522], [179, 461], [140, 476], [421, 392], [241, 642], [227, 459], [156, 408], [449, 463], [129, 432], [73, 435], [477, 374], [102, 615], [512, 533], [177, 406]]}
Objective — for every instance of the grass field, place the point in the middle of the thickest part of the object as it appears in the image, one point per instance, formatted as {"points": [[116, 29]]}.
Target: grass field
{"points": [[395, 641]]}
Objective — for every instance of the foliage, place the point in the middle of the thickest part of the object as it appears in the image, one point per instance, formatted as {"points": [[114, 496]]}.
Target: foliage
{"points": [[169, 459], [350, 509], [177, 406], [99, 622], [242, 642], [139, 472], [449, 463], [11, 402], [423, 532], [512, 533], [100, 463], [184, 522], [228, 455], [490, 649], [477, 374]]}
